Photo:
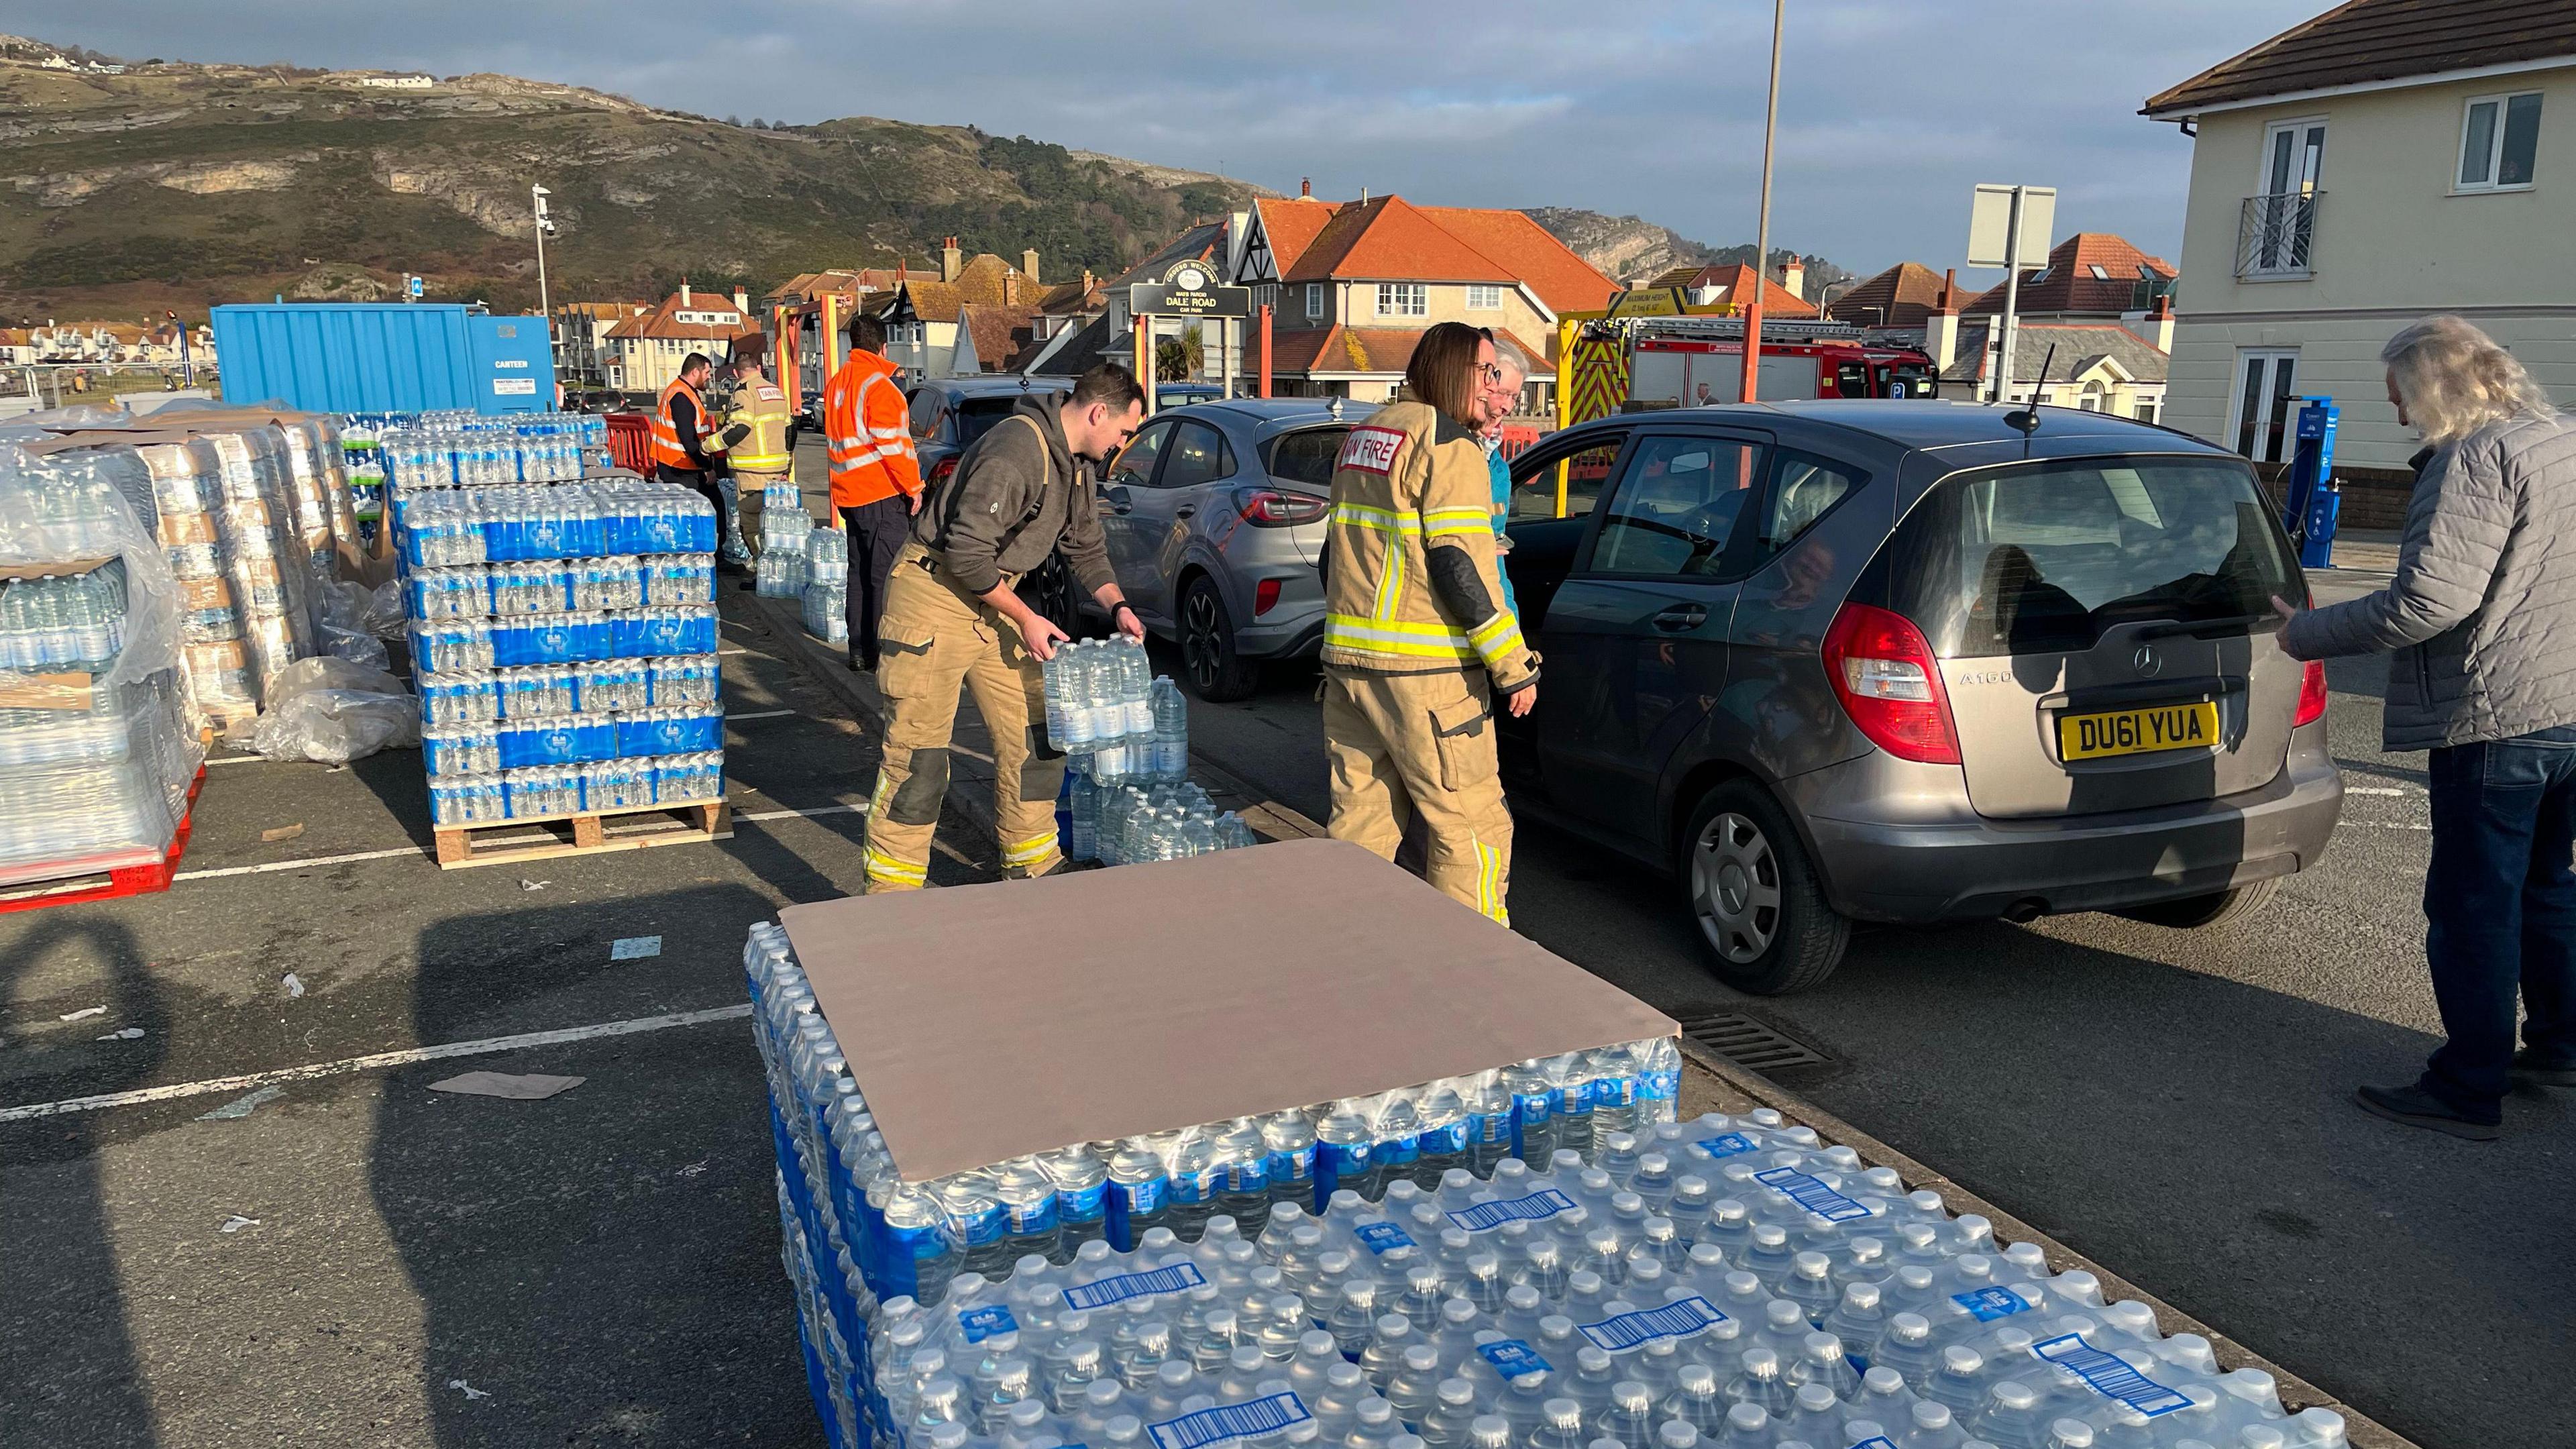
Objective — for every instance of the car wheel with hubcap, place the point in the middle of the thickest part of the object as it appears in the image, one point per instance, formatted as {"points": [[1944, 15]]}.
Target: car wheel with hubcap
{"points": [[1760, 909], [1216, 671]]}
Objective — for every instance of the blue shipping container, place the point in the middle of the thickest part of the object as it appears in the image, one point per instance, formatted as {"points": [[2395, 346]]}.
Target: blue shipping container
{"points": [[383, 357]]}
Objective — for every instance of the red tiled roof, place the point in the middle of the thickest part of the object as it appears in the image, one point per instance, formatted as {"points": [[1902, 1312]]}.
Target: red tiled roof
{"points": [[1382, 350], [1901, 296], [1562, 280], [2067, 283], [661, 322], [1292, 223], [2380, 40], [1389, 236], [996, 332]]}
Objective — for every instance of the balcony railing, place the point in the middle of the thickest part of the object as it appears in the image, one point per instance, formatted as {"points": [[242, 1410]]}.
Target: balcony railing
{"points": [[2276, 235]]}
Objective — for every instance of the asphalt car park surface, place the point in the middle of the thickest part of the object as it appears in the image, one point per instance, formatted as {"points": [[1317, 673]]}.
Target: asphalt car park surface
{"points": [[2173, 1103], [359, 1260]]}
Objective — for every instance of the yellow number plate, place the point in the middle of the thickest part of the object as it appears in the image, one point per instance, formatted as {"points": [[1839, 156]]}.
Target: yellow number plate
{"points": [[2138, 731]]}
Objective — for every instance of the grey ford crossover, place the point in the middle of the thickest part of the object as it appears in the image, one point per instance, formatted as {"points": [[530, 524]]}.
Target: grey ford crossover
{"points": [[1900, 661]]}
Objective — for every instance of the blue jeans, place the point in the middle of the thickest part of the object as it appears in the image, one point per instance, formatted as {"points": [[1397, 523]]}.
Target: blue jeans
{"points": [[2500, 911]]}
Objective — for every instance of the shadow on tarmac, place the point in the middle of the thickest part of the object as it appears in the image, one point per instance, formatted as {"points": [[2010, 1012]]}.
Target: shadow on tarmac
{"points": [[68, 1370], [603, 1263]]}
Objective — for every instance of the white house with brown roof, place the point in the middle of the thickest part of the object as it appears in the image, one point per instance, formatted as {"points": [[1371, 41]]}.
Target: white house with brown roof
{"points": [[1354, 285], [2386, 160], [645, 351]]}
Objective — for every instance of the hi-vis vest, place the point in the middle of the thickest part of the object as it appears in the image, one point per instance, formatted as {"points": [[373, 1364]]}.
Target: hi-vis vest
{"points": [[867, 433], [762, 407], [1410, 549], [666, 431]]}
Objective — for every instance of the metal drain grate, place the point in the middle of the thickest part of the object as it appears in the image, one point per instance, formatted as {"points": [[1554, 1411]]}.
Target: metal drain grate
{"points": [[1750, 1044]]}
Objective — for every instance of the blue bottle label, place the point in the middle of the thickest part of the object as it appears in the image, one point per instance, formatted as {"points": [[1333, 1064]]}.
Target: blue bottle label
{"points": [[1989, 1304], [1381, 1237], [1346, 1159], [1030, 1219], [982, 1226], [1083, 1204], [1812, 1194], [1512, 1358], [1189, 1189], [1232, 1421], [1547, 1202], [1491, 1129], [1142, 1199], [982, 1323], [1103, 1292], [1445, 1141], [1533, 1106], [1252, 1175], [1661, 1086], [1681, 1318], [1613, 1092], [1297, 1166], [1732, 1144], [1397, 1151], [2109, 1375]]}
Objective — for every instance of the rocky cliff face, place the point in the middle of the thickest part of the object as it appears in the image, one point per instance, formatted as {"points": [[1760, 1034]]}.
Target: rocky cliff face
{"points": [[1634, 250]]}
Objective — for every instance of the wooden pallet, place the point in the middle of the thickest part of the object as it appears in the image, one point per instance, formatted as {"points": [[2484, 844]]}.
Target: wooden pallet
{"points": [[589, 833]]}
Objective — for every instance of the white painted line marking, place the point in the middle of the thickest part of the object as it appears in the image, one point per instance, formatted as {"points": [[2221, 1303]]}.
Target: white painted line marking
{"points": [[2387, 825], [278, 865], [406, 1057], [2377, 790], [238, 760], [733, 651], [759, 714]]}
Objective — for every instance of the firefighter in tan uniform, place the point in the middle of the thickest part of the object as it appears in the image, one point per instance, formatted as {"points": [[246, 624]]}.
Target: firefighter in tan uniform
{"points": [[1417, 643], [755, 432], [951, 617]]}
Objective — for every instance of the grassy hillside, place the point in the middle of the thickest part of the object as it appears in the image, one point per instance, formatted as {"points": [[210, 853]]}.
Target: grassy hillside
{"points": [[178, 185]]}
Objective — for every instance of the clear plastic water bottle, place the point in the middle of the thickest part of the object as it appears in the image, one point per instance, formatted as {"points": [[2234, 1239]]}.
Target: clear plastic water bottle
{"points": [[1081, 1198]]}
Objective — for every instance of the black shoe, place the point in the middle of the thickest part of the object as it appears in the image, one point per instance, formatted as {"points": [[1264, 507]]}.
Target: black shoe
{"points": [[2418, 1108], [747, 585], [2529, 1071], [862, 666]]}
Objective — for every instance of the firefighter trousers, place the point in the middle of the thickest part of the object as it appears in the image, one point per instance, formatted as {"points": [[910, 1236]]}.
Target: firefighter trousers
{"points": [[747, 503], [935, 636], [1404, 747]]}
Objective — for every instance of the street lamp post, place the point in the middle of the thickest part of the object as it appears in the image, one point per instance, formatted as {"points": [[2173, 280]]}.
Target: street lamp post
{"points": [[1762, 230]]}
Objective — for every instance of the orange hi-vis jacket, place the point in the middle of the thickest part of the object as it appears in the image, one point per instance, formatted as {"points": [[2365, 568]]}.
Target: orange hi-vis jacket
{"points": [[666, 429], [867, 434]]}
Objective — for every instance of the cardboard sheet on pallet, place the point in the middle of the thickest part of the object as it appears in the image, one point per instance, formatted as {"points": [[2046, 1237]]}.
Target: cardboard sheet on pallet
{"points": [[984, 1022]]}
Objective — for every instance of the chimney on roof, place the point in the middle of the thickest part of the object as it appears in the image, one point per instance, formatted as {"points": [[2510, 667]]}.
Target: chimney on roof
{"points": [[741, 301], [1941, 324], [1793, 278], [2160, 323], [1305, 186], [1088, 281], [1029, 263], [684, 291], [1010, 289], [951, 260]]}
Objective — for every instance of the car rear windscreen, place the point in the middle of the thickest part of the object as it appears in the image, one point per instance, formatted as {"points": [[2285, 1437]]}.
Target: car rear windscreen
{"points": [[1307, 456], [976, 415], [2042, 558]]}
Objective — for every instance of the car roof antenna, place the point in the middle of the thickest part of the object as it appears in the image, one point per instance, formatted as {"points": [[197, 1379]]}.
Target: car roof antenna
{"points": [[2027, 419]]}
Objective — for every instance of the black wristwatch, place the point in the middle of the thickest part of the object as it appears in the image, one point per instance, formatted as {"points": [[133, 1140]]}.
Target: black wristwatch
{"points": [[1123, 604]]}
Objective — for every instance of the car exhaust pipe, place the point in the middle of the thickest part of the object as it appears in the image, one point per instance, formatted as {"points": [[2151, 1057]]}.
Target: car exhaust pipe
{"points": [[2022, 913]]}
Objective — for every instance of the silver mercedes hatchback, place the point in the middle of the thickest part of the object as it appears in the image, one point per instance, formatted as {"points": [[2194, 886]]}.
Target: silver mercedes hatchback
{"points": [[1843, 661], [1214, 515]]}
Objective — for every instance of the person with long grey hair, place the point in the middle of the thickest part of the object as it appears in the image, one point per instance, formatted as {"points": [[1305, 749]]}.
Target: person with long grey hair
{"points": [[2480, 625]]}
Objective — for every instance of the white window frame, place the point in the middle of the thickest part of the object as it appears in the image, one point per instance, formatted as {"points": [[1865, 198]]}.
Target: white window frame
{"points": [[2502, 101], [1484, 297], [2233, 437], [1314, 301], [1403, 299]]}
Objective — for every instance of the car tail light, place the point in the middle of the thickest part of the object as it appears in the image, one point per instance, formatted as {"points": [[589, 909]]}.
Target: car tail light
{"points": [[940, 470], [2312, 694], [1265, 596], [1890, 684], [1277, 508]]}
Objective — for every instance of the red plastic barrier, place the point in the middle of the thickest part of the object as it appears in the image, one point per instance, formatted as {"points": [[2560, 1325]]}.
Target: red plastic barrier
{"points": [[630, 441]]}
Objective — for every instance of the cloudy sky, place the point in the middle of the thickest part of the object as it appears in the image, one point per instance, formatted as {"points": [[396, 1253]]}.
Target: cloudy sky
{"points": [[1889, 111]]}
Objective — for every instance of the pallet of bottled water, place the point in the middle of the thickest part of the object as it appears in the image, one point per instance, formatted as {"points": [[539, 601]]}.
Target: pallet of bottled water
{"points": [[98, 750], [469, 450], [1540, 1256], [564, 636]]}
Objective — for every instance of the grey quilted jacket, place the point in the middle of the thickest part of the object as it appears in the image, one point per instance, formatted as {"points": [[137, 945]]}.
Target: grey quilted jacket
{"points": [[2482, 612]]}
